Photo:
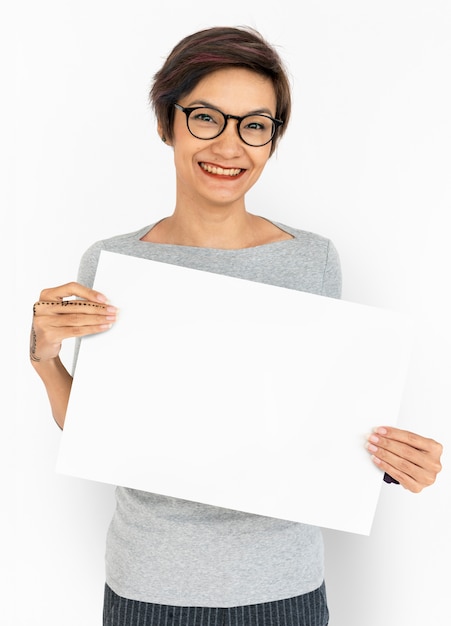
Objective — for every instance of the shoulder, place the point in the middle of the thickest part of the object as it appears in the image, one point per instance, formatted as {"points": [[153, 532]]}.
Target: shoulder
{"points": [[121, 242], [312, 244], [305, 237], [316, 258]]}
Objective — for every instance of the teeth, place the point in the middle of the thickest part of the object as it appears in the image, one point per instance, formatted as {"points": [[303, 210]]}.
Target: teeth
{"points": [[220, 170]]}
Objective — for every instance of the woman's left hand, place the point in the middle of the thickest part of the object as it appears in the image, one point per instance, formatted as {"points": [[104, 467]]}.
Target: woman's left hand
{"points": [[412, 460]]}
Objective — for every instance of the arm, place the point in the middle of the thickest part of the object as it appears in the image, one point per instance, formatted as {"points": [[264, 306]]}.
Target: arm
{"points": [[58, 383], [56, 319]]}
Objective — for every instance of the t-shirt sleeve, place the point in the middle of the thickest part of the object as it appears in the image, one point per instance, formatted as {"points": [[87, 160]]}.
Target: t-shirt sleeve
{"points": [[332, 273], [88, 265], [86, 275]]}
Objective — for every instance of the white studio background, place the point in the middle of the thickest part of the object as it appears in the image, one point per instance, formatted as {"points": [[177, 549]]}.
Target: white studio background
{"points": [[366, 162]]}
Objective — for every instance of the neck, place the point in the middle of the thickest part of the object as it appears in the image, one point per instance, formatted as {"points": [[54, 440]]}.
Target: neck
{"points": [[215, 228], [209, 229]]}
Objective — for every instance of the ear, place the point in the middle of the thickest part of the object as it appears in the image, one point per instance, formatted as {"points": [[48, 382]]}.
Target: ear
{"points": [[162, 135]]}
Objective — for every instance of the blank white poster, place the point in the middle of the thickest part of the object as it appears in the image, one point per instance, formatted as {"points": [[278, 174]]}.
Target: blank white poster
{"points": [[236, 394]]}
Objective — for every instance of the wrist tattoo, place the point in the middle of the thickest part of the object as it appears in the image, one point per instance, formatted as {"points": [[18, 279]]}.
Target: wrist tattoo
{"points": [[66, 303], [33, 355]]}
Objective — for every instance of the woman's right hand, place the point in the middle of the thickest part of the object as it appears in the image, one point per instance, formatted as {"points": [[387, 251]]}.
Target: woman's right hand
{"points": [[56, 318]]}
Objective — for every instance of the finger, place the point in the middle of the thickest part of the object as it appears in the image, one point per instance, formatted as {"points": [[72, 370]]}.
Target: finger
{"points": [[49, 322], [71, 289], [409, 438], [68, 307], [405, 480], [58, 335]]}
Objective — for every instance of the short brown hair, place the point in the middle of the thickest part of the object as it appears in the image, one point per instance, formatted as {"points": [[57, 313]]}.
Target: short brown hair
{"points": [[206, 51]]}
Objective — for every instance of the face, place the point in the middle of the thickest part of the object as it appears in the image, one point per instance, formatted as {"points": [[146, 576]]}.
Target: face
{"points": [[235, 91]]}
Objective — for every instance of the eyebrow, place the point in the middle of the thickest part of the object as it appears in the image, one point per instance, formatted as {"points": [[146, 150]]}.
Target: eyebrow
{"points": [[204, 103]]}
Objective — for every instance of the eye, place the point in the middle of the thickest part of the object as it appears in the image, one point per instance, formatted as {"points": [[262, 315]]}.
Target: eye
{"points": [[257, 124], [205, 117]]}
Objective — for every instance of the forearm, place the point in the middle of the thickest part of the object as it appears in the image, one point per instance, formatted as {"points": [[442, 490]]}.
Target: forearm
{"points": [[58, 383]]}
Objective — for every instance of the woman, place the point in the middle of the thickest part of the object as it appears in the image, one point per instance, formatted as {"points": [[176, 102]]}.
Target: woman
{"points": [[222, 101]]}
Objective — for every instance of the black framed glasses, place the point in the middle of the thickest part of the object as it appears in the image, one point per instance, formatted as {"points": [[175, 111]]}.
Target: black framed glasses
{"points": [[208, 123]]}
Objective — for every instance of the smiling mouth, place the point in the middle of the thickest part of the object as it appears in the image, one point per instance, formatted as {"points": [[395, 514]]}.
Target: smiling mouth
{"points": [[220, 171]]}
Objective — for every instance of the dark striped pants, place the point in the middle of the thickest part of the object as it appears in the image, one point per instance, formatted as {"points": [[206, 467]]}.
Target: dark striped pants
{"points": [[309, 609]]}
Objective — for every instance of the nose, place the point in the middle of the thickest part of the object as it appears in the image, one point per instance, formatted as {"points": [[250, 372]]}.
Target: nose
{"points": [[228, 143]]}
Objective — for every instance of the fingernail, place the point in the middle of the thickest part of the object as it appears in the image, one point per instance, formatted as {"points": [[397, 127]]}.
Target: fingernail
{"points": [[376, 460], [101, 298], [381, 430], [110, 309], [373, 438], [371, 448]]}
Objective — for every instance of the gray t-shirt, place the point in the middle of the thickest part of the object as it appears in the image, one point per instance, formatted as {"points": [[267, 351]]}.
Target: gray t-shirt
{"points": [[170, 551]]}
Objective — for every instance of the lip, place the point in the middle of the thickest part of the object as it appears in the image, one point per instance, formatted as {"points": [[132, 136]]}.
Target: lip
{"points": [[217, 171]]}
